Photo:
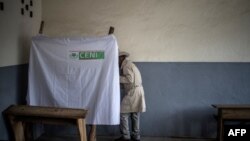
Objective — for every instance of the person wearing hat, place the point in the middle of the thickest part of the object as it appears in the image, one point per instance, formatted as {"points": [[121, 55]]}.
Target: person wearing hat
{"points": [[133, 102]]}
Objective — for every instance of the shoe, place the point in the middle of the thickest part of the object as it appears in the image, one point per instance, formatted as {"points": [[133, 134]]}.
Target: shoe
{"points": [[122, 139]]}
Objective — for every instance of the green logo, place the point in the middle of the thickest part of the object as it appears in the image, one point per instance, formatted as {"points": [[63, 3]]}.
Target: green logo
{"points": [[74, 55], [87, 55]]}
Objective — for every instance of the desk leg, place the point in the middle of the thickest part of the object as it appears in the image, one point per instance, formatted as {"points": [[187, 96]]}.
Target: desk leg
{"points": [[28, 131], [221, 130], [82, 129], [220, 127], [17, 127], [92, 134]]}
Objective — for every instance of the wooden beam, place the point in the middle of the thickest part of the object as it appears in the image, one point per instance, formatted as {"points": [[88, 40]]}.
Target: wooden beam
{"points": [[92, 133], [41, 27], [111, 30]]}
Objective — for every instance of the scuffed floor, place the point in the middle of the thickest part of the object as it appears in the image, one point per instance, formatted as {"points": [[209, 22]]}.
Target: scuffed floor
{"points": [[101, 138]]}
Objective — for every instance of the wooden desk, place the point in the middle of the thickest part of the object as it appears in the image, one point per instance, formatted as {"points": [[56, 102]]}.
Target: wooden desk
{"points": [[230, 113], [19, 115]]}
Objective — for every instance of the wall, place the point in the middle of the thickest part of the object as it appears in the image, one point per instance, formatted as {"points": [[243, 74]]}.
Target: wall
{"points": [[13, 89], [159, 30], [15, 34], [190, 54], [16, 31], [179, 96]]}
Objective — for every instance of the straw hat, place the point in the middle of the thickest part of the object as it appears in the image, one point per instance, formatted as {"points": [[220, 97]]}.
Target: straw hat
{"points": [[123, 53]]}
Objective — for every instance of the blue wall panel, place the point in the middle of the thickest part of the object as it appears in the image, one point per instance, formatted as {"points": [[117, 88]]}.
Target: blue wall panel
{"points": [[13, 89], [178, 96]]}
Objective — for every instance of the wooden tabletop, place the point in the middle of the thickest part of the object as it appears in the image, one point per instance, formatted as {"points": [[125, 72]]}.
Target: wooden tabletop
{"points": [[40, 111], [231, 106]]}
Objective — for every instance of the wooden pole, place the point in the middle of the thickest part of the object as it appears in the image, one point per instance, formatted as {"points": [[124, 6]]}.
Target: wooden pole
{"points": [[41, 27], [92, 134], [111, 30]]}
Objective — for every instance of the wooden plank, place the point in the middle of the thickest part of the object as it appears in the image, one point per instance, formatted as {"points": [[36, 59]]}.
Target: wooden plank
{"points": [[236, 114], [45, 120], [39, 111], [234, 106]]}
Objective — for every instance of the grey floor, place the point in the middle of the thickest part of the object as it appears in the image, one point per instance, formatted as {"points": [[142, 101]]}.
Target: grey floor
{"points": [[101, 138]]}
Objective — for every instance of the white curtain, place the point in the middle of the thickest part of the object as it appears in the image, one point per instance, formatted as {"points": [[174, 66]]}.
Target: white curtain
{"points": [[76, 73]]}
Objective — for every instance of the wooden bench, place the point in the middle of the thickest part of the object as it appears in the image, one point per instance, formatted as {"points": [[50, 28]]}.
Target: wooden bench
{"points": [[230, 113], [20, 115]]}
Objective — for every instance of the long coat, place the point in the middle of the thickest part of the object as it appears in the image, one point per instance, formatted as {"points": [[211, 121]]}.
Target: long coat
{"points": [[134, 100]]}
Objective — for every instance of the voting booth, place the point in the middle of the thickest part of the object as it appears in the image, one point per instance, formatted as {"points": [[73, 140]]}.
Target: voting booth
{"points": [[76, 72]]}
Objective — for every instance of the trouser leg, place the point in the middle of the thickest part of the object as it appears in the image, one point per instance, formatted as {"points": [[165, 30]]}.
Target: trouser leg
{"points": [[124, 126], [135, 118]]}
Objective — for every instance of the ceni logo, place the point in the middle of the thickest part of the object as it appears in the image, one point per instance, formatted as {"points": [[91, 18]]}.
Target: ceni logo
{"points": [[86, 55]]}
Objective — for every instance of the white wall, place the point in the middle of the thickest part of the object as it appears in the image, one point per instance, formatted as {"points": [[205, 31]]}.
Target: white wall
{"points": [[159, 30], [16, 31]]}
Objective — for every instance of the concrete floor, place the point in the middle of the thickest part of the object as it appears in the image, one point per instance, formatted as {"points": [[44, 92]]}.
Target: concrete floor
{"points": [[76, 138]]}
